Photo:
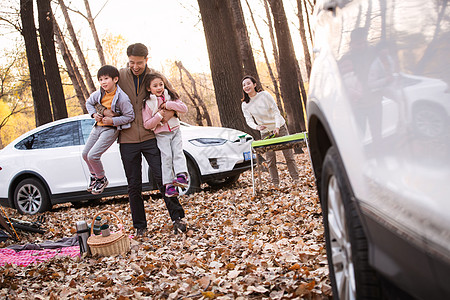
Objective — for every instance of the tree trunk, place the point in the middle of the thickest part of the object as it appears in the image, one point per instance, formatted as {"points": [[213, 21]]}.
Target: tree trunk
{"points": [[269, 67], [98, 44], [244, 41], [42, 109], [307, 21], [303, 38], [72, 69], [225, 61], [73, 36], [288, 72], [273, 40], [275, 49], [195, 98], [301, 85], [58, 101]]}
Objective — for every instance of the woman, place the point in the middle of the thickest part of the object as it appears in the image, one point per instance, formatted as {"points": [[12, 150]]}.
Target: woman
{"points": [[261, 113]]}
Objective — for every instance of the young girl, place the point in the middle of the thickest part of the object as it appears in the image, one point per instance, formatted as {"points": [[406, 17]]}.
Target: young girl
{"points": [[160, 99]]}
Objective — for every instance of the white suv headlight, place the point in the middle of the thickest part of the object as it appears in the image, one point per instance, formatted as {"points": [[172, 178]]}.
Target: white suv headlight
{"points": [[206, 142]]}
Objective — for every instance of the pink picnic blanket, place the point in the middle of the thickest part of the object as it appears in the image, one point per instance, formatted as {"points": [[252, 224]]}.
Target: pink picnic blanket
{"points": [[26, 257]]}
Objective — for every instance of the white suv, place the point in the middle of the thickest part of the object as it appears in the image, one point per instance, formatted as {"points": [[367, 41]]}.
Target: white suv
{"points": [[379, 136], [44, 167]]}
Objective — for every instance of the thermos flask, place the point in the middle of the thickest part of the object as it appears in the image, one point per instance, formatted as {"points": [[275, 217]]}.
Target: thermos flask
{"points": [[83, 235]]}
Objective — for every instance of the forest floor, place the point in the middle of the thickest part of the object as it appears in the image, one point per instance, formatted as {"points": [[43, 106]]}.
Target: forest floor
{"points": [[238, 246]]}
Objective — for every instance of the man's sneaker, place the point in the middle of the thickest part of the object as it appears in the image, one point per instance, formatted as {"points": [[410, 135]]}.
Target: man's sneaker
{"points": [[92, 183], [100, 185], [179, 226], [181, 181], [171, 191], [140, 232]]}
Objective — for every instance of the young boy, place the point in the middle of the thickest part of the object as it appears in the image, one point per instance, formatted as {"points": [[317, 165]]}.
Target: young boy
{"points": [[112, 110]]}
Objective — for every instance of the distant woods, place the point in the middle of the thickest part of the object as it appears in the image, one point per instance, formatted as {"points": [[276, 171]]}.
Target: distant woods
{"points": [[231, 57], [60, 76]]}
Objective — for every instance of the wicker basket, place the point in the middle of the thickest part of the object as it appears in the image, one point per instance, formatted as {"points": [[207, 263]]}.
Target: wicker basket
{"points": [[114, 244]]}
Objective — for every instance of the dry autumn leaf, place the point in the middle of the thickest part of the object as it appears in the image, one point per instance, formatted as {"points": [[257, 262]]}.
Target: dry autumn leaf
{"points": [[237, 246]]}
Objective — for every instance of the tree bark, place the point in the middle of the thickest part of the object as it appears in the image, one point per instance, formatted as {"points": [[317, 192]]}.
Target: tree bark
{"points": [[225, 61], [272, 39], [276, 89], [307, 21], [42, 109], [81, 59], [288, 72], [303, 38], [195, 98], [58, 101], [72, 69], [98, 44], [300, 83], [244, 41]]}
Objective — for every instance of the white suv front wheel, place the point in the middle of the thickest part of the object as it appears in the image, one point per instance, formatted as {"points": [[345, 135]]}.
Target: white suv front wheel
{"points": [[31, 197]]}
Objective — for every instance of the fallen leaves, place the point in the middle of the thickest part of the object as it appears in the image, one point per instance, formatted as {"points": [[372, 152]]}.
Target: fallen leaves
{"points": [[237, 246]]}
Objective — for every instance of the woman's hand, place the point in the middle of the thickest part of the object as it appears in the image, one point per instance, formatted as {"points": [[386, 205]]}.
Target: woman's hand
{"points": [[276, 131], [261, 127]]}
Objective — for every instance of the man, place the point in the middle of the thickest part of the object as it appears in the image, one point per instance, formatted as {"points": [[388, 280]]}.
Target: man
{"points": [[137, 141]]}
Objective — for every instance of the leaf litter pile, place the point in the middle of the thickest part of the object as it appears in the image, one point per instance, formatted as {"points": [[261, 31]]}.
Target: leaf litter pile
{"points": [[238, 246]]}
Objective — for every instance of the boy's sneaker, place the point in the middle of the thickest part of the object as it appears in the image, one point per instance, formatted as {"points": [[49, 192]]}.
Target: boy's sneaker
{"points": [[100, 185], [181, 181], [179, 226], [92, 183], [171, 191]]}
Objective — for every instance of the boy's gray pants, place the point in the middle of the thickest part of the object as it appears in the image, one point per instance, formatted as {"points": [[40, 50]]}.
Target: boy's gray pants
{"points": [[100, 139]]}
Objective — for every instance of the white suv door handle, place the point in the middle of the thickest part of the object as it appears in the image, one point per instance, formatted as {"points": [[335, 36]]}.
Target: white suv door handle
{"points": [[330, 5]]}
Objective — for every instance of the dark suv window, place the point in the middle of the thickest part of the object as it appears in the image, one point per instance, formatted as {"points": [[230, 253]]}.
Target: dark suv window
{"points": [[61, 135]]}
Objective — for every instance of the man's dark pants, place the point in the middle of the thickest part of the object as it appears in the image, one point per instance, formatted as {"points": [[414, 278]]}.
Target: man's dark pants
{"points": [[132, 163]]}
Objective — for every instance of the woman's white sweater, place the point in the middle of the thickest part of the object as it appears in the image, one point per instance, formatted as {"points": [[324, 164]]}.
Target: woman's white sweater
{"points": [[262, 110]]}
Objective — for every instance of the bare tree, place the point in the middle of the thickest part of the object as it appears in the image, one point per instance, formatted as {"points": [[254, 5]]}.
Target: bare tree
{"points": [[307, 17], [194, 96], [272, 38], [72, 69], [288, 73], [98, 44], [11, 91], [225, 61], [276, 89], [53, 78], [42, 109], [91, 21], [80, 55], [244, 41], [303, 37], [114, 46], [300, 79]]}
